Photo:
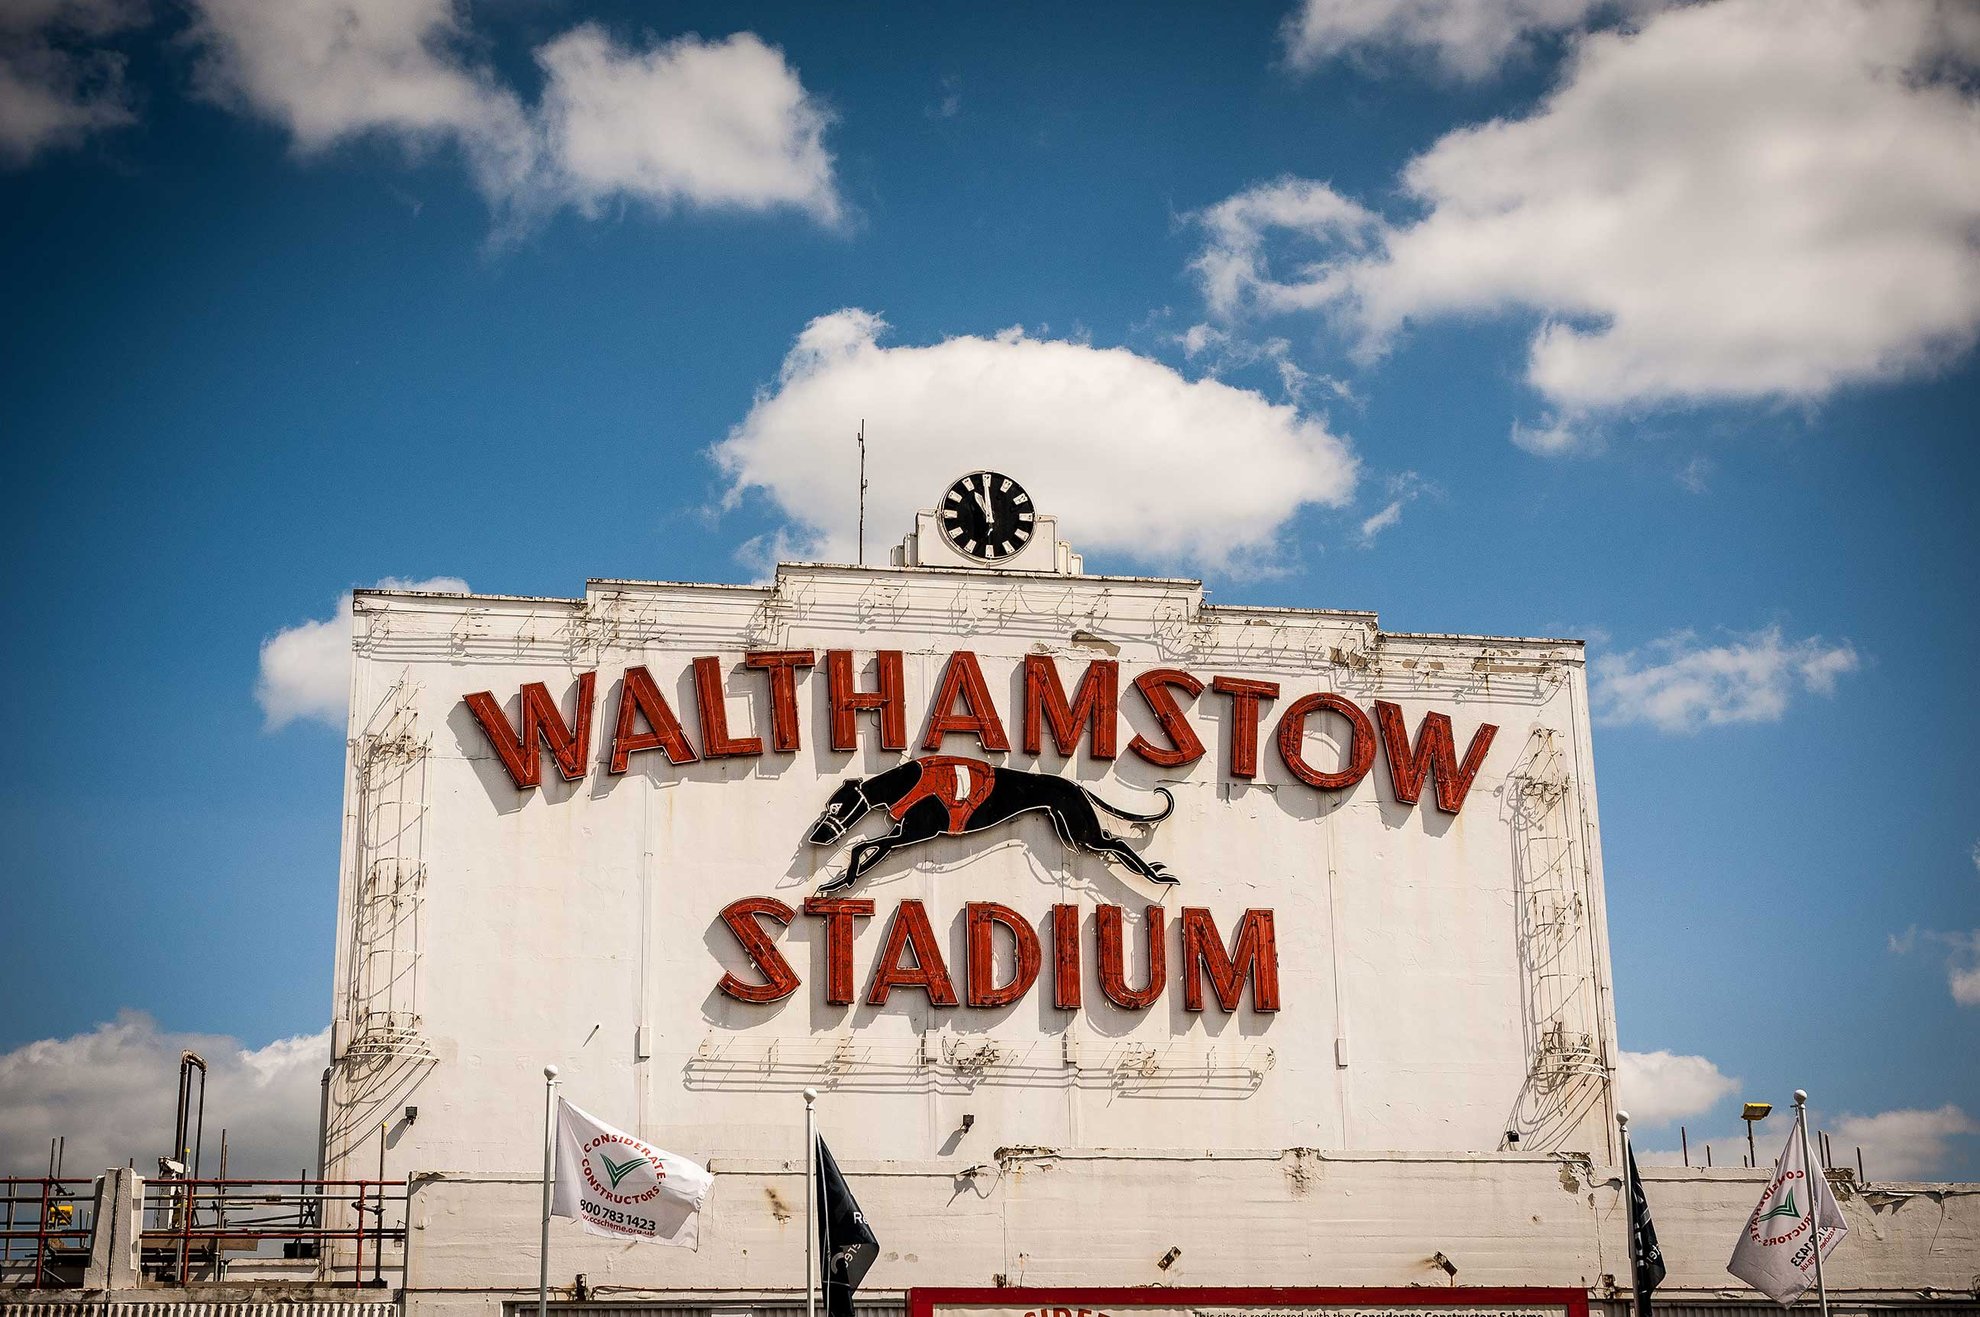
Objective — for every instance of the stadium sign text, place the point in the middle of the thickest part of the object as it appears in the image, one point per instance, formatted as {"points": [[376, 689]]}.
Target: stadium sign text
{"points": [[911, 958]]}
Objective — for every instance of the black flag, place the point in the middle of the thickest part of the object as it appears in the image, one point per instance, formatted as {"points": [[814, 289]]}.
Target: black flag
{"points": [[1644, 1252], [846, 1245]]}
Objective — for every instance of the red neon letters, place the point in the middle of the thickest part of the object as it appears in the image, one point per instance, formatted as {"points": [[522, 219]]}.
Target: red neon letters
{"points": [[910, 958], [962, 704]]}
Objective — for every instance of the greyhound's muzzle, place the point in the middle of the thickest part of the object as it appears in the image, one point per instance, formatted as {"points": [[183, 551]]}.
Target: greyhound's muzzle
{"points": [[838, 818]]}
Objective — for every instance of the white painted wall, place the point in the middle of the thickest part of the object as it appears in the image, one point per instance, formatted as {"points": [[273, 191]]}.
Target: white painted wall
{"points": [[1264, 1218], [567, 923], [1239, 1218]]}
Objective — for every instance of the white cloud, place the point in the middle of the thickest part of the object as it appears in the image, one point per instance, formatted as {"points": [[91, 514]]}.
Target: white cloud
{"points": [[1467, 38], [1219, 351], [306, 668], [1909, 1144], [706, 123], [1679, 684], [1131, 456], [1403, 489], [1748, 199], [332, 70], [688, 122], [1962, 959], [1234, 266], [1696, 475], [951, 103], [1655, 1087], [110, 1093], [1905, 1144], [57, 84], [761, 553], [1551, 437], [1390, 514], [1201, 338]]}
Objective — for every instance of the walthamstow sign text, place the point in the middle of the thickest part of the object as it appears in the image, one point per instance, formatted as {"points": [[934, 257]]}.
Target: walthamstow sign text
{"points": [[643, 721]]}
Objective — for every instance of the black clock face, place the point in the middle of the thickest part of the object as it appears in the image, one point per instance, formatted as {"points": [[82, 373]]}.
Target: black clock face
{"points": [[987, 516]]}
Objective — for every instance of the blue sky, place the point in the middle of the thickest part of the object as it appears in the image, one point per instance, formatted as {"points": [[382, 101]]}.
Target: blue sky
{"points": [[1654, 328]]}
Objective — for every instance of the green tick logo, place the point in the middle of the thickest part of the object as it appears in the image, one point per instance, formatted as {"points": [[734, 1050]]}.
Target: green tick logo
{"points": [[620, 1170], [1786, 1208]]}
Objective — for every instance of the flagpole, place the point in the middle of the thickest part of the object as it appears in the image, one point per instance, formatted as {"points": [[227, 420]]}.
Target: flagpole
{"points": [[1629, 1213], [1815, 1191], [549, 1178], [810, 1204]]}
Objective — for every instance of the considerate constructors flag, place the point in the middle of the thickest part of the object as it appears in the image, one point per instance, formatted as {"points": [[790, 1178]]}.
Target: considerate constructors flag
{"points": [[625, 1188], [1776, 1250]]}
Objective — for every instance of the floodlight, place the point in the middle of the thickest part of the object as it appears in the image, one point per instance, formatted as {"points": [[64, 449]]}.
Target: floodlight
{"points": [[1749, 1113]]}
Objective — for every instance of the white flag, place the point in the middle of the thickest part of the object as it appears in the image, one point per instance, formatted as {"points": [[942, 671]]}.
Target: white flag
{"points": [[1776, 1251], [625, 1188]]}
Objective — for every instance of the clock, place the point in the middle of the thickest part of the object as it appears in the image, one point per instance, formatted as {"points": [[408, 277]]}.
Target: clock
{"points": [[987, 516]]}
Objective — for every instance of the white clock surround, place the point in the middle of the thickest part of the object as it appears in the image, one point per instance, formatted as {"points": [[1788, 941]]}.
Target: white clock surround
{"points": [[927, 546]]}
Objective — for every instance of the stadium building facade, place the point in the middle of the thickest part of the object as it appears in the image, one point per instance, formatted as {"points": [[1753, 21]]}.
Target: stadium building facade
{"points": [[1149, 955]]}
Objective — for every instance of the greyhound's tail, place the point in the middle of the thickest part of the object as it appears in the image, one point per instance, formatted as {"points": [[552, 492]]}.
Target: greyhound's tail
{"points": [[1168, 807]]}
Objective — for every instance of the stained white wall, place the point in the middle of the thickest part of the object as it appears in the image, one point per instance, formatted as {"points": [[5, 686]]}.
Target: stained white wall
{"points": [[573, 922], [1108, 1218]]}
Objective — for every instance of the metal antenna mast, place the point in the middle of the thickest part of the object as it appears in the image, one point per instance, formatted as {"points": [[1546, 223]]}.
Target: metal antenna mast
{"points": [[862, 491]]}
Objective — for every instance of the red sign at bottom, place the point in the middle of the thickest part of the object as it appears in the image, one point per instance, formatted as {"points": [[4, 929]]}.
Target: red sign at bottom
{"points": [[1248, 1301]]}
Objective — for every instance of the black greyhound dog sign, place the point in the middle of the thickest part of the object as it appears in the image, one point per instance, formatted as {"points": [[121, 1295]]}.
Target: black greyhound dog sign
{"points": [[950, 796]]}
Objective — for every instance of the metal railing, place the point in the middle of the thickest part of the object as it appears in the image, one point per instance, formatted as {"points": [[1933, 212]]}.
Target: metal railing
{"points": [[44, 1241], [352, 1232], [193, 1229]]}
